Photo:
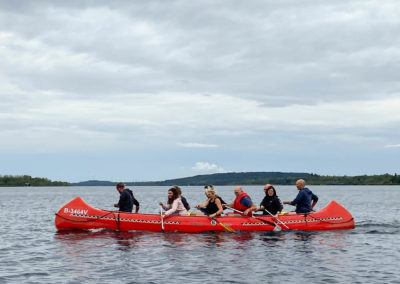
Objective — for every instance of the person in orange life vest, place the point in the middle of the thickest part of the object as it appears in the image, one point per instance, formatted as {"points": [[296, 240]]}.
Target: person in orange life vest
{"points": [[242, 202]]}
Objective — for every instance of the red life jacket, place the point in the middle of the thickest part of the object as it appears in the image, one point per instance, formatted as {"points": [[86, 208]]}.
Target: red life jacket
{"points": [[237, 205]]}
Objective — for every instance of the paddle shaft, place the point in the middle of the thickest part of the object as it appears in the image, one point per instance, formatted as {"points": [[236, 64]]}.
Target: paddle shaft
{"points": [[279, 221], [162, 219], [226, 227], [237, 210], [265, 221]]}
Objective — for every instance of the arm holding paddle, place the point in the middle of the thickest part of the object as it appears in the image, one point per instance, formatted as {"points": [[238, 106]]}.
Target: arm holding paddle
{"points": [[228, 206], [202, 205], [165, 207], [246, 212], [249, 210], [271, 205], [262, 208]]}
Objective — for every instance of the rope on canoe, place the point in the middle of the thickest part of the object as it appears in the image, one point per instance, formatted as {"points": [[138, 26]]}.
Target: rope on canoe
{"points": [[305, 216]]}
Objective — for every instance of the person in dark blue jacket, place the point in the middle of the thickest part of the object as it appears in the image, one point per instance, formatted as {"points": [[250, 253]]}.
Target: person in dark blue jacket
{"points": [[126, 199], [303, 199]]}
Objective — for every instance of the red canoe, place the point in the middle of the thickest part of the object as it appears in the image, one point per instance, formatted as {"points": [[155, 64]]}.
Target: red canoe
{"points": [[77, 214]]}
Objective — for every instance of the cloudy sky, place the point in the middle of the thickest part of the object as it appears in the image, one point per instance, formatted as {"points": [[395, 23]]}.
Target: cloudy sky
{"points": [[153, 90]]}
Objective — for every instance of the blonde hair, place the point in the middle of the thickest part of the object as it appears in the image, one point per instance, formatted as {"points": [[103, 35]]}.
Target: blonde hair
{"points": [[210, 189]]}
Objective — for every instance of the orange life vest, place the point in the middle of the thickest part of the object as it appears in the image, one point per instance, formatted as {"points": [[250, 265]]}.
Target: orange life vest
{"points": [[237, 205]]}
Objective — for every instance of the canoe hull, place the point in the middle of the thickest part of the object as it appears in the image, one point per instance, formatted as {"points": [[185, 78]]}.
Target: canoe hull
{"points": [[77, 214]]}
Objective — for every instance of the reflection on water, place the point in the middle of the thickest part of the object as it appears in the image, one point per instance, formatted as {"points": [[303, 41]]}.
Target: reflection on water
{"points": [[304, 236], [102, 238], [141, 239], [239, 240], [243, 237]]}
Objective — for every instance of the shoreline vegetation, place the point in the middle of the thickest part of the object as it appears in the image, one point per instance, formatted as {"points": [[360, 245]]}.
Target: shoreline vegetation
{"points": [[243, 178], [25, 180]]}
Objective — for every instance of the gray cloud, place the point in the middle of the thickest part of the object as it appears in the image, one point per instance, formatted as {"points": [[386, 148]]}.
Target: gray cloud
{"points": [[270, 74], [307, 51]]}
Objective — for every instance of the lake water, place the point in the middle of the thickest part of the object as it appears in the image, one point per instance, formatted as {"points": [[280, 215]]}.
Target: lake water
{"points": [[32, 251]]}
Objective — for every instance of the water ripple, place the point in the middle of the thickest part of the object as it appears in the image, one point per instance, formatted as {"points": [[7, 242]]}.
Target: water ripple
{"points": [[31, 251]]}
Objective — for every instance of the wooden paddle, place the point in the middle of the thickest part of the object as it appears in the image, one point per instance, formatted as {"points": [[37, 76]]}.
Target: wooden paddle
{"points": [[162, 219], [226, 227]]}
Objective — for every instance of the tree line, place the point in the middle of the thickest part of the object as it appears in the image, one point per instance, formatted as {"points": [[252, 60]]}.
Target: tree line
{"points": [[245, 178], [26, 180], [257, 178]]}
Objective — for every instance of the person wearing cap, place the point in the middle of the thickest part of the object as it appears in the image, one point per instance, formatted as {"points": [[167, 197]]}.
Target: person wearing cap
{"points": [[303, 199], [126, 199]]}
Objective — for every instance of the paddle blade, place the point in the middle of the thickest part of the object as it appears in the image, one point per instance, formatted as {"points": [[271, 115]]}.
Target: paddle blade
{"points": [[227, 227], [277, 228]]}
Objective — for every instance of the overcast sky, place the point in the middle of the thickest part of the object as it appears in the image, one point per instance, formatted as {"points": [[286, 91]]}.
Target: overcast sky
{"points": [[153, 90]]}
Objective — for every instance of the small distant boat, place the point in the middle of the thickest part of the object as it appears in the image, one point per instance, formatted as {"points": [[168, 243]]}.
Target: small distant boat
{"points": [[77, 214]]}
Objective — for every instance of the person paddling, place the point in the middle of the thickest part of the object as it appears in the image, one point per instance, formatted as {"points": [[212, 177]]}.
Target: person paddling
{"points": [[303, 199], [212, 207], [184, 201], [242, 202], [271, 204], [126, 199], [174, 205]]}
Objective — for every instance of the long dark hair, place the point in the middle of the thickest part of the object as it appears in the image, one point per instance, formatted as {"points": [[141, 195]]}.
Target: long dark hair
{"points": [[178, 189], [174, 196], [266, 191]]}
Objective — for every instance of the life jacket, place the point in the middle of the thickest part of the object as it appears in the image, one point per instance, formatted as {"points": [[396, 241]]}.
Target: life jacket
{"points": [[237, 205]]}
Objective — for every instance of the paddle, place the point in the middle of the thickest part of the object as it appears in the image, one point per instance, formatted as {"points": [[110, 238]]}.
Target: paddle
{"points": [[226, 227], [279, 221], [277, 228], [162, 219]]}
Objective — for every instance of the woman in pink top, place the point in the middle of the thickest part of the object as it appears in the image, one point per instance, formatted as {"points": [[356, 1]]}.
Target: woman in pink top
{"points": [[175, 205]]}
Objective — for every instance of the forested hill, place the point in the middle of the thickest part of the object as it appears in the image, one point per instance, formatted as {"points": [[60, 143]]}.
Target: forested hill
{"points": [[256, 178], [234, 178], [26, 180], [277, 178]]}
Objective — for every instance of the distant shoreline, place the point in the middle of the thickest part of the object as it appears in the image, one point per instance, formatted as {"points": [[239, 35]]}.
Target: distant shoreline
{"points": [[242, 178]]}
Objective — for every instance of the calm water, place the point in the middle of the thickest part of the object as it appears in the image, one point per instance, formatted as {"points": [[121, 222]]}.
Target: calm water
{"points": [[31, 250]]}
